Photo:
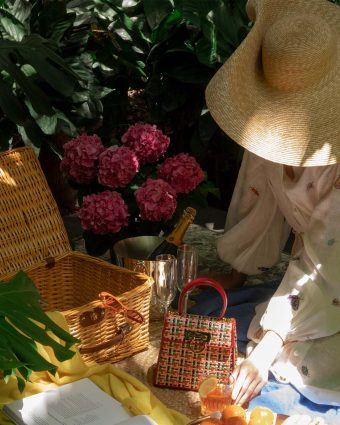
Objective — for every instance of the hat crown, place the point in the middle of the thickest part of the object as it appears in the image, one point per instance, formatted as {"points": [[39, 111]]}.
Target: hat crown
{"points": [[297, 52]]}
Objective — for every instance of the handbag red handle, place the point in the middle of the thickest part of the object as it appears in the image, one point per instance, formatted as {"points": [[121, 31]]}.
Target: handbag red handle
{"points": [[204, 281]]}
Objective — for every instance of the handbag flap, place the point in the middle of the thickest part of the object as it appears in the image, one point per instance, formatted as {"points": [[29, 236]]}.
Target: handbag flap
{"points": [[31, 228], [202, 329]]}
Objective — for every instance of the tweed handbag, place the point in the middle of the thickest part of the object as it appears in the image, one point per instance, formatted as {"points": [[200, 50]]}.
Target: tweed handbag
{"points": [[193, 346]]}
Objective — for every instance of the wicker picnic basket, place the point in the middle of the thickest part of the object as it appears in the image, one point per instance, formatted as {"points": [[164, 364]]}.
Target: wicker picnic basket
{"points": [[33, 238]]}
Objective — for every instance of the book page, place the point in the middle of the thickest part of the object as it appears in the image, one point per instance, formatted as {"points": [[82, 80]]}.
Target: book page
{"points": [[78, 403]]}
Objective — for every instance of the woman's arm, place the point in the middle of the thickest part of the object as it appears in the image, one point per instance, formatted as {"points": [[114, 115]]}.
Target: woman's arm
{"points": [[252, 374]]}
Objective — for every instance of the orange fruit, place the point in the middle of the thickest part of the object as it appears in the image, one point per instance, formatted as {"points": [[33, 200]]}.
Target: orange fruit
{"points": [[261, 416], [212, 422], [232, 411], [207, 386], [236, 420]]}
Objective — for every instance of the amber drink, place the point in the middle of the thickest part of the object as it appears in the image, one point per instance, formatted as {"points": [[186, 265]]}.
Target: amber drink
{"points": [[214, 395]]}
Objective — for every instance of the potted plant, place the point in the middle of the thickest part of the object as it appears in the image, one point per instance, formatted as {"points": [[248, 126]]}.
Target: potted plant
{"points": [[133, 187]]}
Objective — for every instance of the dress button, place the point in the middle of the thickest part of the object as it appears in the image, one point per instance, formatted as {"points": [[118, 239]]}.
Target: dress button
{"points": [[336, 302]]}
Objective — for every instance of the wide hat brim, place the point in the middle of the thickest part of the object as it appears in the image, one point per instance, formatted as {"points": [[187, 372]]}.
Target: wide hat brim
{"points": [[293, 127]]}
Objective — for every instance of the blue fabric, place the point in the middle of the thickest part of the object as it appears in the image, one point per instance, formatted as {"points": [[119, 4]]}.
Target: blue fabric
{"points": [[281, 398], [285, 399], [241, 306]]}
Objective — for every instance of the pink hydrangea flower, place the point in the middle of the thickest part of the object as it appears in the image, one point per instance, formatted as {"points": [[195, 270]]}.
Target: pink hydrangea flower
{"points": [[182, 172], [156, 200], [117, 167], [103, 213], [149, 143], [81, 158]]}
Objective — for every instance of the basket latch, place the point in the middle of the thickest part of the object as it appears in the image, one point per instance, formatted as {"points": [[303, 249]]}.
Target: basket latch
{"points": [[50, 262]]}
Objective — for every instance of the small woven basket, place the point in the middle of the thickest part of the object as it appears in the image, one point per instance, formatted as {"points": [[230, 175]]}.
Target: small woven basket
{"points": [[33, 238]]}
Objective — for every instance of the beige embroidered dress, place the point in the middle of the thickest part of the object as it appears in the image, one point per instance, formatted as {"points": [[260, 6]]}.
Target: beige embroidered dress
{"points": [[269, 199]]}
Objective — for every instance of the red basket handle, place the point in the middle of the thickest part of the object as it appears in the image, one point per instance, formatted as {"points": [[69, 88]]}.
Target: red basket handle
{"points": [[204, 281]]}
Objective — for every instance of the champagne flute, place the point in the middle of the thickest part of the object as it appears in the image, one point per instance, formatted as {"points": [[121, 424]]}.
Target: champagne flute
{"points": [[165, 280], [187, 263]]}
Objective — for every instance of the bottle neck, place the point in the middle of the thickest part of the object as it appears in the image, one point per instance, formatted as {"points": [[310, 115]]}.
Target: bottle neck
{"points": [[176, 236]]}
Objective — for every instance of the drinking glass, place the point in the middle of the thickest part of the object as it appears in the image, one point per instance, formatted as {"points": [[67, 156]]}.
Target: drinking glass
{"points": [[165, 280], [215, 395], [187, 263]]}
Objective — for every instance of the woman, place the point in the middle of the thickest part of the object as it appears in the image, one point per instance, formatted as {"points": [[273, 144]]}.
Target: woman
{"points": [[278, 96]]}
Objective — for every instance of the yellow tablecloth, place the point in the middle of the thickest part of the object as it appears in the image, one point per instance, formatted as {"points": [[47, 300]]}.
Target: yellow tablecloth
{"points": [[135, 396]]}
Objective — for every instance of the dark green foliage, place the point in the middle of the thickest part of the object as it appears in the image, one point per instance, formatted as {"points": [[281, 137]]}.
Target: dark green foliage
{"points": [[22, 325]]}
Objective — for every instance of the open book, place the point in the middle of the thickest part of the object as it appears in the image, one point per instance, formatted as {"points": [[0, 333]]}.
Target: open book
{"points": [[77, 403]]}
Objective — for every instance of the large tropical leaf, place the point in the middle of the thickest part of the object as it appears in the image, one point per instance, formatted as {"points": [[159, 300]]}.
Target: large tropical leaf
{"points": [[23, 324]]}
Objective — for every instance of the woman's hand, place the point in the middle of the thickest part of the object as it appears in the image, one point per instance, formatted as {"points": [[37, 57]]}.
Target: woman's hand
{"points": [[252, 374], [249, 378]]}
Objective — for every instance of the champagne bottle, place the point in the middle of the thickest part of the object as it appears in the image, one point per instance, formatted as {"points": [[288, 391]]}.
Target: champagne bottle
{"points": [[170, 244]]}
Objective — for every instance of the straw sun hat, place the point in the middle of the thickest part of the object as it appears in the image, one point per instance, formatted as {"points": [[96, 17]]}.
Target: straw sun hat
{"points": [[278, 95]]}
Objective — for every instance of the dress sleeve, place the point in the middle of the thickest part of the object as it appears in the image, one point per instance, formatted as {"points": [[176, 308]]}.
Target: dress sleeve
{"points": [[255, 232], [307, 303]]}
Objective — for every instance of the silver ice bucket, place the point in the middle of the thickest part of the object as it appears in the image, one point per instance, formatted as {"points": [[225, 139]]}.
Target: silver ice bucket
{"points": [[131, 253]]}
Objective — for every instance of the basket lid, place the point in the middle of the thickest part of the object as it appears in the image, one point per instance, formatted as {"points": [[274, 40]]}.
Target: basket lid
{"points": [[31, 228]]}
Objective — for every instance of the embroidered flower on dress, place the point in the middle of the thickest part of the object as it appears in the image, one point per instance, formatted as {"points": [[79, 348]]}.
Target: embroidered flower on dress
{"points": [[254, 190], [294, 301], [304, 370], [337, 183]]}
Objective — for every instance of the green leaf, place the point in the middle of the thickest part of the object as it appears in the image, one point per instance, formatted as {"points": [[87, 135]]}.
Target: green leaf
{"points": [[21, 384], [11, 27], [162, 30], [47, 123], [22, 10], [156, 11], [39, 100], [22, 324], [10, 104], [7, 374], [57, 79], [7, 130]]}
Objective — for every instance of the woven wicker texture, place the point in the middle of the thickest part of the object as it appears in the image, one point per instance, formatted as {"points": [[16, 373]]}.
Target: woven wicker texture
{"points": [[193, 347], [33, 238], [30, 224]]}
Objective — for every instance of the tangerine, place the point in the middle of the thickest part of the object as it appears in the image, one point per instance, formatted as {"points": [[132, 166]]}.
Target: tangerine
{"points": [[212, 422], [232, 411], [235, 420], [261, 416]]}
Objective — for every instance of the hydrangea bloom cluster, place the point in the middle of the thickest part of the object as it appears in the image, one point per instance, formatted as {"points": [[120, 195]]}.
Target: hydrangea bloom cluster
{"points": [[103, 213], [156, 200], [81, 158], [149, 143], [117, 167], [182, 172]]}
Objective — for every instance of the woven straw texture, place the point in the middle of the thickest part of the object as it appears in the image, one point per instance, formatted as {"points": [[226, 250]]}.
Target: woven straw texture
{"points": [[278, 95], [33, 238], [186, 356], [30, 223]]}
